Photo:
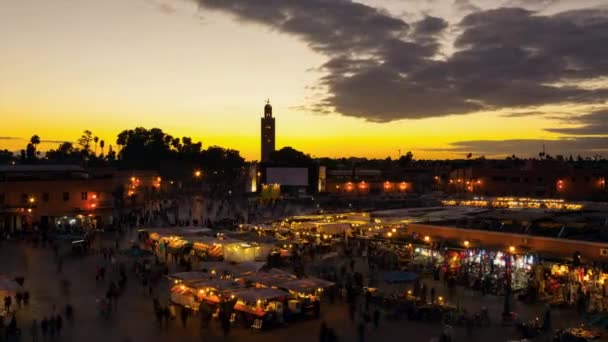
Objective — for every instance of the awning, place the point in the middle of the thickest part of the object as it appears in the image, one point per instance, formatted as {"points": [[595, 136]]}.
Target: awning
{"points": [[306, 285], [252, 295]]}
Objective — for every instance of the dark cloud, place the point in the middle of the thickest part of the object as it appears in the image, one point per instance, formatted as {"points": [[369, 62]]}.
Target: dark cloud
{"points": [[523, 114], [595, 123], [430, 26], [586, 146], [381, 68], [9, 138]]}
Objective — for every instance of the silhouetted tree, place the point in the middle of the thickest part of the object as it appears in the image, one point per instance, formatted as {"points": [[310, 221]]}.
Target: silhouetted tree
{"points": [[102, 144], [7, 157], [85, 142], [65, 153], [30, 153], [35, 140], [96, 139], [288, 156]]}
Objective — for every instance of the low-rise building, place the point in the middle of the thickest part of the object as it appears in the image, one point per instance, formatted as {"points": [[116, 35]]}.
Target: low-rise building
{"points": [[44, 195]]}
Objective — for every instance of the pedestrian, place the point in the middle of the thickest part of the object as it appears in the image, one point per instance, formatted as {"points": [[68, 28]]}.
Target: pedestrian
{"points": [[58, 324], [376, 318], [34, 330], [361, 331], [166, 315], [158, 312], [323, 333], [317, 308], [7, 303], [19, 298], [184, 316], [44, 326]]}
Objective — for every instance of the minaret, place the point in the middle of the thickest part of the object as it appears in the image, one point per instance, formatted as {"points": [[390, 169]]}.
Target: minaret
{"points": [[268, 132]]}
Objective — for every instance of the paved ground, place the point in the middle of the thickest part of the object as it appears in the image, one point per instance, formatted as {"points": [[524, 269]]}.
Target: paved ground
{"points": [[134, 319]]}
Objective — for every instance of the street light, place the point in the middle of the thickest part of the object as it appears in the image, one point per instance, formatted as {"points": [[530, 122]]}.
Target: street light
{"points": [[512, 249], [32, 200], [466, 244], [198, 173]]}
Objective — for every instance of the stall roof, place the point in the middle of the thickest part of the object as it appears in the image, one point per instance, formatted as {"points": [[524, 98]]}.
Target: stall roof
{"points": [[252, 295], [273, 277], [234, 269], [217, 284], [189, 276], [516, 215], [9, 285], [306, 284]]}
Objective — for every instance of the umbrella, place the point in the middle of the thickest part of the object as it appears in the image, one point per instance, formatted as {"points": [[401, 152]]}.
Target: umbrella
{"points": [[398, 277]]}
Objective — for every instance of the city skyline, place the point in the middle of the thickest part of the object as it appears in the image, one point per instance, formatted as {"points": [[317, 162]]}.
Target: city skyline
{"points": [[204, 69]]}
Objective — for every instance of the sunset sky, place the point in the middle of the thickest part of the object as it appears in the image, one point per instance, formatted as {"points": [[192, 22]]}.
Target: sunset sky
{"points": [[438, 77]]}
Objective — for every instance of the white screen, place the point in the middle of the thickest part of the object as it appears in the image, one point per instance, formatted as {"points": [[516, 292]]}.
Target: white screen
{"points": [[290, 176]]}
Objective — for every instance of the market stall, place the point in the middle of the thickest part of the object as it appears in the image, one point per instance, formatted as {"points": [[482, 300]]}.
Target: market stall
{"points": [[307, 290], [8, 287], [242, 252], [208, 248], [262, 307]]}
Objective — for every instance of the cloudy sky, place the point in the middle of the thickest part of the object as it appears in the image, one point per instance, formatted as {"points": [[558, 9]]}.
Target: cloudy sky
{"points": [[358, 78]]}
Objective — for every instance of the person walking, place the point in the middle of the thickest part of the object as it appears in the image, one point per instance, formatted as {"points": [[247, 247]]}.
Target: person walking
{"points": [[44, 326], [184, 316], [34, 330], [376, 318], [361, 331], [58, 324], [7, 303]]}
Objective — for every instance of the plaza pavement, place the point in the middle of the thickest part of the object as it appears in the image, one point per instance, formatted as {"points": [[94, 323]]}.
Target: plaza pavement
{"points": [[134, 320]]}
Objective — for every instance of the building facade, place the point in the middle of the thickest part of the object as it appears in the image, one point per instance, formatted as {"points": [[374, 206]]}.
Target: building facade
{"points": [[43, 195], [531, 178], [268, 133]]}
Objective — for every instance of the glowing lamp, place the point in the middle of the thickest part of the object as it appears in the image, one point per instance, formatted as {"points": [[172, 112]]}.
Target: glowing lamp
{"points": [[466, 243], [512, 249], [427, 238]]}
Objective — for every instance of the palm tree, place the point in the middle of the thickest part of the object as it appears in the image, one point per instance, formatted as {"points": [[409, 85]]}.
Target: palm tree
{"points": [[102, 144], [35, 140], [96, 139]]}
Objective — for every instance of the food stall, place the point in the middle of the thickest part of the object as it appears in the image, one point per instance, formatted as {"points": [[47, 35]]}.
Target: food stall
{"points": [[192, 293], [185, 296], [213, 291], [262, 307], [208, 248], [243, 252], [8, 287], [307, 291]]}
